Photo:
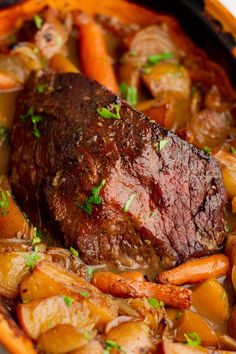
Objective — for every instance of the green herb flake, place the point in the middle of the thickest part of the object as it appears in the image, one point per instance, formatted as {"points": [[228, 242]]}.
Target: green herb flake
{"points": [[192, 339], [94, 198], [40, 88], [84, 293], [106, 113], [132, 53], [129, 202], [155, 303], [4, 203], [74, 251], [38, 21], [43, 62], [223, 295], [162, 144], [233, 150], [89, 272], [68, 300], [36, 236], [58, 40], [87, 335], [178, 315], [35, 119], [32, 259], [130, 94], [207, 149], [146, 70], [3, 134], [157, 58], [111, 344]]}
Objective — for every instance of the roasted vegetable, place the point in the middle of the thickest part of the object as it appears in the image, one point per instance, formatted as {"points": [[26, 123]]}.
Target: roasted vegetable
{"points": [[116, 285], [211, 300], [196, 271], [49, 279], [232, 323]]}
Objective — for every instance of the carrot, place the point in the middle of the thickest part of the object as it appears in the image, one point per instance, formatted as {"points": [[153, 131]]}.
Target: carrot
{"points": [[196, 271], [8, 83], [62, 64], [95, 61], [138, 276], [119, 286], [12, 338]]}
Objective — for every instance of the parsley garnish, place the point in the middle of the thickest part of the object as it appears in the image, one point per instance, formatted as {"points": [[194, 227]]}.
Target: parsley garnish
{"points": [[35, 119], [38, 21], [129, 202], [68, 300], [157, 58], [95, 198], [207, 149], [32, 259], [87, 335], [40, 88], [178, 315], [111, 344], [36, 236], [233, 150], [3, 134], [155, 303], [4, 203], [106, 113], [89, 272], [74, 251], [192, 339], [58, 40], [84, 293], [130, 94], [162, 144]]}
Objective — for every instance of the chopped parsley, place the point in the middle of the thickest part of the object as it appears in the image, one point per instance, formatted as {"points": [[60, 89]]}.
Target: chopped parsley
{"points": [[111, 344], [32, 259], [94, 198], [40, 88], [36, 236], [35, 119], [3, 134], [89, 272], [58, 40], [87, 335], [129, 202], [4, 203], [84, 293], [130, 94], [38, 21], [107, 113], [162, 144], [156, 59], [178, 315], [192, 339], [233, 150], [155, 303], [207, 149], [74, 251], [68, 300]]}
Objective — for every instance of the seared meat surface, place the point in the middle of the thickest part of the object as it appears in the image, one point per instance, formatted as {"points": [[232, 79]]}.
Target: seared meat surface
{"points": [[162, 199]]}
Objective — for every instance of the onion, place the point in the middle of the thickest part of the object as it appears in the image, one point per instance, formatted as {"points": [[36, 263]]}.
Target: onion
{"points": [[117, 321]]}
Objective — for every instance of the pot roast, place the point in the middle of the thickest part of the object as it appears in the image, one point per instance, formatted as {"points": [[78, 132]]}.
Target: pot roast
{"points": [[114, 184]]}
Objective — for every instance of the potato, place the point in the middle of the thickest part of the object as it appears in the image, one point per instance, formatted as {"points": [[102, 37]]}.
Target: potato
{"points": [[93, 347], [62, 339], [12, 221], [232, 323], [13, 269], [211, 300], [49, 279], [39, 316], [177, 348], [165, 77], [132, 337], [192, 322]]}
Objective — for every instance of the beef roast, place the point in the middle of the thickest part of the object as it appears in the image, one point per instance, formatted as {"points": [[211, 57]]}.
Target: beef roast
{"points": [[160, 200]]}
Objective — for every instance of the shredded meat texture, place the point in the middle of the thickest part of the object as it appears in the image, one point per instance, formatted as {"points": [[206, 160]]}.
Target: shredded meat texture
{"points": [[175, 191]]}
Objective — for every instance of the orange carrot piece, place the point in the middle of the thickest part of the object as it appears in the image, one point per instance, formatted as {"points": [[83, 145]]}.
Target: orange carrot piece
{"points": [[12, 338], [196, 271], [119, 286], [138, 276], [62, 64], [95, 61]]}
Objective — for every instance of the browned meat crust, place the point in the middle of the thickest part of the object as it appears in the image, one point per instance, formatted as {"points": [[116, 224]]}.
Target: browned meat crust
{"points": [[177, 211]]}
